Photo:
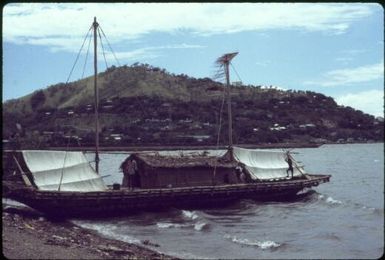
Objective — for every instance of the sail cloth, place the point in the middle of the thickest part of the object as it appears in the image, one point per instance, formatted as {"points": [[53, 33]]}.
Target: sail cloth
{"points": [[49, 167], [265, 164]]}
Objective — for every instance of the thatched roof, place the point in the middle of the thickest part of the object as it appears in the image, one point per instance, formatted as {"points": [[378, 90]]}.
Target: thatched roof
{"points": [[173, 161]]}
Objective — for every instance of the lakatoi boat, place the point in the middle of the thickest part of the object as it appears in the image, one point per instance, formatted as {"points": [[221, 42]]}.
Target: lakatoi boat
{"points": [[64, 184]]}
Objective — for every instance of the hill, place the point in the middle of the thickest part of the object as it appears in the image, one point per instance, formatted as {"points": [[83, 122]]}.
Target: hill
{"points": [[146, 105]]}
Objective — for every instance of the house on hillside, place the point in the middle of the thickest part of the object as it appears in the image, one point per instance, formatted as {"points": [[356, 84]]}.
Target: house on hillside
{"points": [[307, 126]]}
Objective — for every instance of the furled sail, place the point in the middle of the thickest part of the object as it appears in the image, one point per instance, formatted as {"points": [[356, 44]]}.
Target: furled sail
{"points": [[71, 169], [265, 164]]}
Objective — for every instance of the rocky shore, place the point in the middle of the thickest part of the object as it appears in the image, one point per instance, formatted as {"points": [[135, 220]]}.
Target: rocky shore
{"points": [[27, 235]]}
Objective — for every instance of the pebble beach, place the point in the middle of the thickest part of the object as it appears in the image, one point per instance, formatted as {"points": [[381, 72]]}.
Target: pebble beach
{"points": [[29, 236]]}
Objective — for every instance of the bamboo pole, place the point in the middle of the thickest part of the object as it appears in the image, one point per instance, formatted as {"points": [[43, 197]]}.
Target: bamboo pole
{"points": [[95, 26], [225, 61], [230, 120]]}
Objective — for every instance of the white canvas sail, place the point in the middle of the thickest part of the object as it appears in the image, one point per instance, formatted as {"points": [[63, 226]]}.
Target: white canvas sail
{"points": [[265, 164], [49, 167]]}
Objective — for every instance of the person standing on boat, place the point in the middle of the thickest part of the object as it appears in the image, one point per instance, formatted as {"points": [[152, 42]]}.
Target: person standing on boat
{"points": [[133, 167], [129, 168], [124, 169], [290, 163], [240, 174]]}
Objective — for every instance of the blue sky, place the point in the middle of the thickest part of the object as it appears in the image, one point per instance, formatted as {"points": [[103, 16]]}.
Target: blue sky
{"points": [[334, 49]]}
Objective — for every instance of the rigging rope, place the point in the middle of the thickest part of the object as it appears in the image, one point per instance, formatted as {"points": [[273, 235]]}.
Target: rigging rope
{"points": [[113, 53], [236, 72], [85, 61], [76, 60], [219, 127], [219, 133], [64, 163], [101, 43], [220, 119], [239, 78], [69, 76]]}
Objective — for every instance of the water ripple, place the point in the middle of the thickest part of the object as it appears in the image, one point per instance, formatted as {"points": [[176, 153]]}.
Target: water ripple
{"points": [[267, 244]]}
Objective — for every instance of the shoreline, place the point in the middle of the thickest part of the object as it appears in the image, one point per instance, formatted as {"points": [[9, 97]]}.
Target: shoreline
{"points": [[187, 147], [26, 234], [190, 147]]}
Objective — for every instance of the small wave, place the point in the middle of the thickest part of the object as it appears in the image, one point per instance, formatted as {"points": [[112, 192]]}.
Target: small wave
{"points": [[106, 230], [185, 255], [329, 199], [200, 226], [375, 211], [190, 214], [261, 244], [171, 225], [197, 226], [333, 236], [333, 201]]}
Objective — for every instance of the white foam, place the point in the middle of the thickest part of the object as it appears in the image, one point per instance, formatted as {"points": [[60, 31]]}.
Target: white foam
{"points": [[268, 244], [333, 201], [10, 202], [329, 199], [200, 225], [171, 225], [261, 244], [374, 210], [106, 230], [197, 226], [190, 214]]}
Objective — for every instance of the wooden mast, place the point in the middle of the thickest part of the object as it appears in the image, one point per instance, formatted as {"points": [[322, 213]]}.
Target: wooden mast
{"points": [[95, 26], [229, 112], [225, 61]]}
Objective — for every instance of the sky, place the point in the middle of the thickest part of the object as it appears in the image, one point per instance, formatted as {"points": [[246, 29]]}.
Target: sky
{"points": [[336, 49]]}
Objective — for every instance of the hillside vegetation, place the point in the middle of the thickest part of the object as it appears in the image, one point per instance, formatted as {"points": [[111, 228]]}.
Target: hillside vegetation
{"points": [[145, 105]]}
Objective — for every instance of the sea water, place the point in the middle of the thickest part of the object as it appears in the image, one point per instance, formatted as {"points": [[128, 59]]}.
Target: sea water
{"points": [[340, 219]]}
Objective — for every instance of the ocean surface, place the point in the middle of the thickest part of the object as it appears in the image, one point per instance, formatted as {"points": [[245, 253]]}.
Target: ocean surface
{"points": [[340, 219]]}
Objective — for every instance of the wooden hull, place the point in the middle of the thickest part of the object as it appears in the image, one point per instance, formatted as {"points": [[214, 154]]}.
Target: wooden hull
{"points": [[119, 202]]}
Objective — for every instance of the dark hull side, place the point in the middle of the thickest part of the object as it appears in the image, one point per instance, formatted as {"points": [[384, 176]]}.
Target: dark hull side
{"points": [[119, 202]]}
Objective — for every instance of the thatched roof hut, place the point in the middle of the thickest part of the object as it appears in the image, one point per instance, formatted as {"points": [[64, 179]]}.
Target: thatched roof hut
{"points": [[157, 171]]}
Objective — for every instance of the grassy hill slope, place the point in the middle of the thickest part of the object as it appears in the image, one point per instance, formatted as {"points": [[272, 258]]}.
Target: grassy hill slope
{"points": [[141, 104]]}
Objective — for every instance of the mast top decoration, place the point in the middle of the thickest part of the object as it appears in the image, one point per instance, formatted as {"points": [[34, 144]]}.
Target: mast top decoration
{"points": [[95, 23], [226, 58]]}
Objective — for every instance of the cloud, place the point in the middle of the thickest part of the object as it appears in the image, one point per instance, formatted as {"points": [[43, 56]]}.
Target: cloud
{"points": [[371, 101], [61, 25], [347, 56], [263, 63], [343, 77], [344, 60], [354, 51], [149, 52]]}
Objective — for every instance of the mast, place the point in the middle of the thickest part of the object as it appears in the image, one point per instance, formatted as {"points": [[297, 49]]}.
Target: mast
{"points": [[225, 61], [229, 112], [95, 26]]}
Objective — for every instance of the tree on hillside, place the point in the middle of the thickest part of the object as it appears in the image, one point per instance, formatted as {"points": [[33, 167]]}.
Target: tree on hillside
{"points": [[37, 99]]}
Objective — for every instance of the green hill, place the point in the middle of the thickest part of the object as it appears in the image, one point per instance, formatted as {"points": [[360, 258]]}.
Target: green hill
{"points": [[145, 105]]}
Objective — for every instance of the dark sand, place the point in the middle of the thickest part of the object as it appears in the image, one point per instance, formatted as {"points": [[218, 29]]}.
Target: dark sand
{"points": [[26, 236]]}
